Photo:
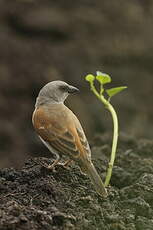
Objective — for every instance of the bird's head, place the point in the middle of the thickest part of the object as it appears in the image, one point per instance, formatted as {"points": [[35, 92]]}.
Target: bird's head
{"points": [[55, 92]]}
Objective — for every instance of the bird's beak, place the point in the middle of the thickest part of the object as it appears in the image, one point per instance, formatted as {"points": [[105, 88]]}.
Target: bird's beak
{"points": [[73, 89]]}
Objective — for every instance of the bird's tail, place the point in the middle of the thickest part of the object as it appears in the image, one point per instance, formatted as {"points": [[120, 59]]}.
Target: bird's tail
{"points": [[95, 178]]}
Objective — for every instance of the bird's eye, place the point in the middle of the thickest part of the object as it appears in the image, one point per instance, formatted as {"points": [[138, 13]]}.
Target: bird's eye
{"points": [[64, 87]]}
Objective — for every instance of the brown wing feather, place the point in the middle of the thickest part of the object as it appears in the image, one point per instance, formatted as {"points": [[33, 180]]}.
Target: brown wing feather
{"points": [[84, 141], [59, 137]]}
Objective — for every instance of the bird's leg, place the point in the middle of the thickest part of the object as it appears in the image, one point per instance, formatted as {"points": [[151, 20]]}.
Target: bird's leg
{"points": [[51, 166], [67, 163], [56, 162], [57, 156]]}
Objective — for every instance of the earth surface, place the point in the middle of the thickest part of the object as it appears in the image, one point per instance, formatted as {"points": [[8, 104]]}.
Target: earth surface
{"points": [[36, 198]]}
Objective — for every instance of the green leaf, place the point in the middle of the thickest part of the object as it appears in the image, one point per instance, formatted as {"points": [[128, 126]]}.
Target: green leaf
{"points": [[90, 78], [103, 78], [99, 73], [113, 91]]}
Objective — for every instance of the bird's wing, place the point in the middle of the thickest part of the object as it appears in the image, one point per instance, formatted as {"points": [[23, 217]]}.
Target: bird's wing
{"points": [[65, 139], [83, 139]]}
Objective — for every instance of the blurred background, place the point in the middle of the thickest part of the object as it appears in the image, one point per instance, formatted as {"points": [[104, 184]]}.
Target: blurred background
{"points": [[45, 40]]}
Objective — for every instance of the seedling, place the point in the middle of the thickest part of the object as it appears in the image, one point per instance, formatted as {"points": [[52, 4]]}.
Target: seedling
{"points": [[103, 79]]}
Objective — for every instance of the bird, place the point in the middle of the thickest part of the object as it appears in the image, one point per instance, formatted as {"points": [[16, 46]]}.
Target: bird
{"points": [[61, 132]]}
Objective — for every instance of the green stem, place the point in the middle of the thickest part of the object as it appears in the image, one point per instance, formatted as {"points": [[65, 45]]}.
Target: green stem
{"points": [[114, 144], [115, 132]]}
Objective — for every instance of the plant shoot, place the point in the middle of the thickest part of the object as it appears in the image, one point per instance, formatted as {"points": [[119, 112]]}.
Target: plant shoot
{"points": [[103, 79]]}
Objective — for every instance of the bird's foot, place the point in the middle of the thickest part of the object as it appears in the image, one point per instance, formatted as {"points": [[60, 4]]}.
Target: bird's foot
{"points": [[48, 166], [67, 163], [56, 162]]}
